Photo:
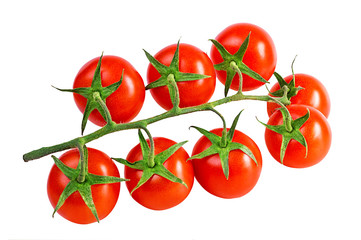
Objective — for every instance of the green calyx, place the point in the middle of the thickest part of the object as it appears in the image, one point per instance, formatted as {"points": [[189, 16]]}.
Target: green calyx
{"points": [[171, 74], [83, 186], [233, 64], [292, 89], [223, 145], [290, 129], [96, 95], [152, 164]]}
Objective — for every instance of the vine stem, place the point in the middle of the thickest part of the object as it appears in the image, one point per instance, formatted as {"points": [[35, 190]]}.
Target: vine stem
{"points": [[83, 151], [110, 128]]}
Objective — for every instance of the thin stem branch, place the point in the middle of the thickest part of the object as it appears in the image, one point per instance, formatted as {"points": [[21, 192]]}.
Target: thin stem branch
{"points": [[173, 91], [108, 117], [151, 162], [234, 66], [224, 131], [83, 151]]}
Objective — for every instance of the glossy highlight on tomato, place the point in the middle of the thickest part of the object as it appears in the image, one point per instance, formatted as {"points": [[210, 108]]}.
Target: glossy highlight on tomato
{"points": [[316, 131], [243, 171], [260, 56], [105, 196], [191, 60], [313, 94], [159, 193], [126, 102]]}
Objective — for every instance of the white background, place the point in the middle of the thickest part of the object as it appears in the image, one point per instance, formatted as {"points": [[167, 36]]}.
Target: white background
{"points": [[45, 43]]}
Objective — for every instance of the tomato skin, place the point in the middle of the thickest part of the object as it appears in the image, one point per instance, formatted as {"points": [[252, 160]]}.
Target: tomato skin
{"points": [[159, 193], [260, 56], [243, 171], [314, 94], [191, 60], [316, 131], [126, 102], [105, 196]]}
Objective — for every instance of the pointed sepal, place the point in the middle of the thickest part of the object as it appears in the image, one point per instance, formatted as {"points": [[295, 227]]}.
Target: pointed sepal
{"points": [[233, 64], [86, 194], [288, 135], [172, 69], [231, 131], [163, 156], [224, 156], [84, 188], [292, 89], [223, 150], [213, 149], [160, 67], [96, 95], [243, 148], [68, 190], [158, 168], [213, 138]]}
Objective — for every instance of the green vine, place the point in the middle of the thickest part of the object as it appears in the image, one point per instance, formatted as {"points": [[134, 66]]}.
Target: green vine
{"points": [[170, 75], [107, 129]]}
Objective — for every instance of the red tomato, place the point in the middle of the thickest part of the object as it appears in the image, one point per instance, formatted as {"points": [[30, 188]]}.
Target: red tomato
{"points": [[105, 196], [316, 131], [243, 171], [159, 193], [191, 60], [126, 102], [260, 56], [314, 94]]}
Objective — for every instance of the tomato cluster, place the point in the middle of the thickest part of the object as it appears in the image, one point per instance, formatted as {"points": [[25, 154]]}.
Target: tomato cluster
{"points": [[159, 173]]}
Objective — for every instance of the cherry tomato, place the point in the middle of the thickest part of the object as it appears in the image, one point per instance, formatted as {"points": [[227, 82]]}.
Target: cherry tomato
{"points": [[126, 102], [105, 196], [159, 193], [314, 94], [260, 56], [243, 171], [191, 60], [316, 131]]}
